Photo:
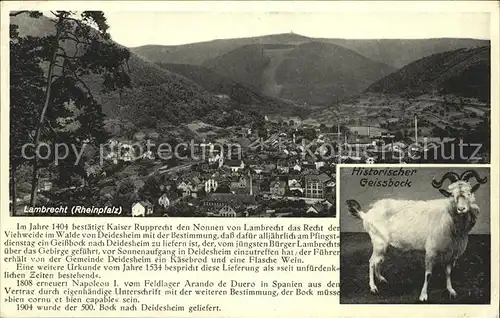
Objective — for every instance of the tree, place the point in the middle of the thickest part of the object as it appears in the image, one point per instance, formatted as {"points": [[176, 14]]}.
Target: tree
{"points": [[450, 131], [152, 189], [26, 80], [438, 132], [482, 133], [345, 130], [399, 135], [80, 48], [126, 193], [309, 134], [262, 132]]}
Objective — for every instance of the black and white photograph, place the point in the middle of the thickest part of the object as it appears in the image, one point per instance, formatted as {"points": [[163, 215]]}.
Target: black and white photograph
{"points": [[415, 234], [242, 114]]}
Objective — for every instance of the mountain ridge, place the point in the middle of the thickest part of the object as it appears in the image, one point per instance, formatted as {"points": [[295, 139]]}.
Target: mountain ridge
{"points": [[388, 51]]}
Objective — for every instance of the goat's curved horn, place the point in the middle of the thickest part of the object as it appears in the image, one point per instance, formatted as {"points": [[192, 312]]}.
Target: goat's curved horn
{"points": [[452, 176], [472, 173]]}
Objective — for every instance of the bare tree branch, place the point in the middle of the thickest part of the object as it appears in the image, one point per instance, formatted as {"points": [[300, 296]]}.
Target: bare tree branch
{"points": [[80, 80]]}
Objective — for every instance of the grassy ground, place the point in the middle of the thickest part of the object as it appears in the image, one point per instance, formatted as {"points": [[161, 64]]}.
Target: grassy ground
{"points": [[404, 272]]}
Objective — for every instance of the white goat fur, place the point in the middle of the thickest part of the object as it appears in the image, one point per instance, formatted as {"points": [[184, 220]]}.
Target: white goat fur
{"points": [[434, 226]]}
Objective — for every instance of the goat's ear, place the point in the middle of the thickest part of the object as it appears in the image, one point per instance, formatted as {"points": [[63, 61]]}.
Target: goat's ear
{"points": [[445, 192], [474, 188]]}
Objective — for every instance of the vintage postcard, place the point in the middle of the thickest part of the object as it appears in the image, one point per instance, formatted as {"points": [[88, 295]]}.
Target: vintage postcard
{"points": [[249, 158]]}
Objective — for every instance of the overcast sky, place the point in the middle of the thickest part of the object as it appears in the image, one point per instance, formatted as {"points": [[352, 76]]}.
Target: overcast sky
{"points": [[171, 28]]}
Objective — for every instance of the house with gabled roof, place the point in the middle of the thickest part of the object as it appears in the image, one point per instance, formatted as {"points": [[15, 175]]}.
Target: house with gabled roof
{"points": [[294, 184], [316, 208], [228, 211], [239, 184], [183, 186], [235, 165], [297, 167], [142, 208], [216, 201], [282, 166]]}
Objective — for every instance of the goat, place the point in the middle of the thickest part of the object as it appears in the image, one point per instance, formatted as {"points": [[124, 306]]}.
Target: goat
{"points": [[438, 227]]}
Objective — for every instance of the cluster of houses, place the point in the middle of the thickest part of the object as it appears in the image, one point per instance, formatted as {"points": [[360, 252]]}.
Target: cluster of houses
{"points": [[243, 187], [362, 146], [272, 170], [122, 151], [270, 175]]}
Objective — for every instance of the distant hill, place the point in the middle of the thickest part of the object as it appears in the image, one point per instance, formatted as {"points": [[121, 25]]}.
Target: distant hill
{"points": [[313, 72], [400, 52], [462, 72], [158, 96], [198, 53], [394, 52]]}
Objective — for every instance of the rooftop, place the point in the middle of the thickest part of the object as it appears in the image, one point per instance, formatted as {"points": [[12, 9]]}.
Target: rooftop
{"points": [[321, 177], [232, 198]]}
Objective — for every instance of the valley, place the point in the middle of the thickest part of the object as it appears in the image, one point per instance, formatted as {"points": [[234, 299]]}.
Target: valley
{"points": [[252, 126]]}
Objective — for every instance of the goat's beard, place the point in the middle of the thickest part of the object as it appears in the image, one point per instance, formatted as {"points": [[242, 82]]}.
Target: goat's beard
{"points": [[473, 213], [464, 222]]}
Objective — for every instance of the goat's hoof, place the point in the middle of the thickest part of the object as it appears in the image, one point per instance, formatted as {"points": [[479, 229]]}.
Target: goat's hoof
{"points": [[382, 279], [374, 289], [453, 293], [423, 297]]}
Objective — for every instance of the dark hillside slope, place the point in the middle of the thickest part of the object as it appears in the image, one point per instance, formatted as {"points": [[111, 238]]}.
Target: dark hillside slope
{"points": [[321, 73], [244, 64], [400, 52], [239, 93], [463, 72]]}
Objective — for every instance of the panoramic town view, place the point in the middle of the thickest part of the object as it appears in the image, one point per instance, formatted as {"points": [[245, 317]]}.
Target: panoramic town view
{"points": [[232, 127]]}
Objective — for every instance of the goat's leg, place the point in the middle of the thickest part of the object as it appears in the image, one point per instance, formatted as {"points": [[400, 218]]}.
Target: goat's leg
{"points": [[429, 264], [375, 260], [381, 249], [378, 271], [449, 287], [373, 287]]}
